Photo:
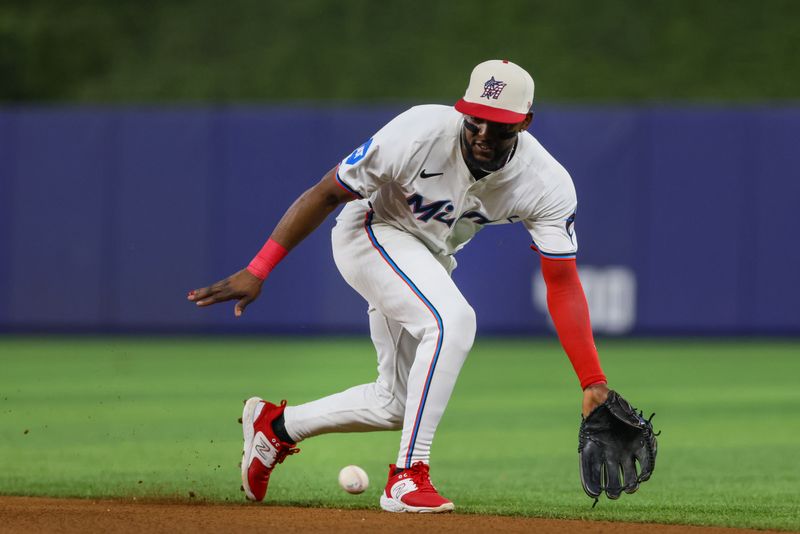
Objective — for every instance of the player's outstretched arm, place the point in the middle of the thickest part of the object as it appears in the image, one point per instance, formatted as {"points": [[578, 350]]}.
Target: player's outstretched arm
{"points": [[566, 302], [302, 218]]}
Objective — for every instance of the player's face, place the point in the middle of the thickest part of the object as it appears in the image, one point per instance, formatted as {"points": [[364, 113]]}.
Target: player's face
{"points": [[489, 143]]}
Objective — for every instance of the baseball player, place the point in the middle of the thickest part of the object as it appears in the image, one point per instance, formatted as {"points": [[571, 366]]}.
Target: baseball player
{"points": [[415, 193]]}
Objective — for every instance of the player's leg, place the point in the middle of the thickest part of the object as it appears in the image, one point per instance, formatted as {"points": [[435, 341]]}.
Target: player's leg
{"points": [[417, 312], [379, 405], [412, 287], [419, 306], [419, 294], [272, 431]]}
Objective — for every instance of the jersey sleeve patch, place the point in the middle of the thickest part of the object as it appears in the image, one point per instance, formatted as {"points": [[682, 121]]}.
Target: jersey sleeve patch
{"points": [[359, 153]]}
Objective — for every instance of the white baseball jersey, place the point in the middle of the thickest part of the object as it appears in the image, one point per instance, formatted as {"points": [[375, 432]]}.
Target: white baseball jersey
{"points": [[414, 176], [419, 205]]}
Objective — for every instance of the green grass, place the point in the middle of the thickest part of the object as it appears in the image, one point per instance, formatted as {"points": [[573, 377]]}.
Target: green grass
{"points": [[121, 417]]}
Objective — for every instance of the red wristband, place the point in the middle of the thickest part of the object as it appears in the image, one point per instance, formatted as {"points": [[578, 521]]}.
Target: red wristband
{"points": [[267, 258]]}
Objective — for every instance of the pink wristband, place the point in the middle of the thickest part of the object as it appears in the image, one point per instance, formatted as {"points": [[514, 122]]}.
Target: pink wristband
{"points": [[267, 258]]}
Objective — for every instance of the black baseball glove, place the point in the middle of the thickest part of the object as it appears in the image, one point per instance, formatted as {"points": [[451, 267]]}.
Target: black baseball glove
{"points": [[611, 439]]}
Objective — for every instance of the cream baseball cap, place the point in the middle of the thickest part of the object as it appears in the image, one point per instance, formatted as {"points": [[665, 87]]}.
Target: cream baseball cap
{"points": [[498, 91]]}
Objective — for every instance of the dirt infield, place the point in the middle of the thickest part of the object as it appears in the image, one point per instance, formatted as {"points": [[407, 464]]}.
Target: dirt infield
{"points": [[25, 514]]}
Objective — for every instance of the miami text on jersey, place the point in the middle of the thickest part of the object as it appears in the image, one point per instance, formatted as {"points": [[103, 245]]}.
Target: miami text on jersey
{"points": [[439, 210]]}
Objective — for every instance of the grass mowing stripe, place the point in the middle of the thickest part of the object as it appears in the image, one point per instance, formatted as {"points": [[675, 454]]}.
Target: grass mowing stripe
{"points": [[111, 417]]}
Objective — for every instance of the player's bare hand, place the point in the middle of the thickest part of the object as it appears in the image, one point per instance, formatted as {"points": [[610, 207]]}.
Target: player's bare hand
{"points": [[242, 286]]}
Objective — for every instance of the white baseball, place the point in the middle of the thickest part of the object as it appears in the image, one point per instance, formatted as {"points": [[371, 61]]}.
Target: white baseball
{"points": [[353, 479]]}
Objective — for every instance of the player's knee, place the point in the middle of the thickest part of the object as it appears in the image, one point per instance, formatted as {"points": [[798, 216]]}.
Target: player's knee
{"points": [[396, 411], [458, 324], [460, 327], [393, 406]]}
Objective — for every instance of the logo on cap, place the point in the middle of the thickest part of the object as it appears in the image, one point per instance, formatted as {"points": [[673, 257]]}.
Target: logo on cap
{"points": [[492, 88]]}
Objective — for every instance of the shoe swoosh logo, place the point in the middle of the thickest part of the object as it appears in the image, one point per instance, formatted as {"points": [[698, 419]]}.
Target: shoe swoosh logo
{"points": [[424, 174]]}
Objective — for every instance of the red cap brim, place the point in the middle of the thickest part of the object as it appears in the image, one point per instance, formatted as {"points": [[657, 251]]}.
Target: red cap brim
{"points": [[489, 113]]}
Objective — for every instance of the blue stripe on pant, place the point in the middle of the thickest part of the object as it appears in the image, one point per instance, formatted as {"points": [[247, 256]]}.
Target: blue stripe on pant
{"points": [[439, 323]]}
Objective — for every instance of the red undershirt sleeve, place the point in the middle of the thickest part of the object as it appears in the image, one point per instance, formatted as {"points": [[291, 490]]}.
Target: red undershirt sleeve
{"points": [[566, 302]]}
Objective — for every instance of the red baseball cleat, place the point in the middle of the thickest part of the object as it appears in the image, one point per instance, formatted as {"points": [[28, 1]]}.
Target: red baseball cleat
{"points": [[411, 491], [263, 450]]}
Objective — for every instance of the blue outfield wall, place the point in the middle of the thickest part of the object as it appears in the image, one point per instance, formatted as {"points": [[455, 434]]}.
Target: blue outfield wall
{"points": [[108, 216]]}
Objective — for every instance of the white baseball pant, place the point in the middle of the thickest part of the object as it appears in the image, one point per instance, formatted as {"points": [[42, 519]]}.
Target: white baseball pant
{"points": [[422, 328]]}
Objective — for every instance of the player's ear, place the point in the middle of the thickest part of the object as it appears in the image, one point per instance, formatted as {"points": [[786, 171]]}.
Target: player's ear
{"points": [[526, 122]]}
